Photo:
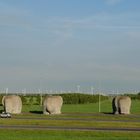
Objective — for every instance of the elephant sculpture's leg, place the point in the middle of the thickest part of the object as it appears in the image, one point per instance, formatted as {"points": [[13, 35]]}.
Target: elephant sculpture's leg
{"points": [[45, 111], [115, 106], [116, 112]]}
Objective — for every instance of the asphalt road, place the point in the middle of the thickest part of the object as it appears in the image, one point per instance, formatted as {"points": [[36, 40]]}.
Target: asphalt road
{"points": [[39, 127], [75, 119], [28, 127]]}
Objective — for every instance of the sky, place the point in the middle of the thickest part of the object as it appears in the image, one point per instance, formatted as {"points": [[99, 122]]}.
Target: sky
{"points": [[69, 45]]}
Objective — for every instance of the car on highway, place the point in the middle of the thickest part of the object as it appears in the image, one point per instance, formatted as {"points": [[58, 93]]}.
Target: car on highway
{"points": [[5, 115]]}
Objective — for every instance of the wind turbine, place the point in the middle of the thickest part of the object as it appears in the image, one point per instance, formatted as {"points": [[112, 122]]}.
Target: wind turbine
{"points": [[92, 89], [6, 90], [78, 88]]}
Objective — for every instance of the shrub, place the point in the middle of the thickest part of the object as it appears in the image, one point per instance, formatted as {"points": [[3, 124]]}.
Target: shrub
{"points": [[68, 98], [76, 98], [134, 96], [1, 96], [31, 99]]}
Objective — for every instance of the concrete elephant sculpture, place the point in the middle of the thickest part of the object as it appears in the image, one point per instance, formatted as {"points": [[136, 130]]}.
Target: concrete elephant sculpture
{"points": [[12, 104], [52, 105], [121, 105]]}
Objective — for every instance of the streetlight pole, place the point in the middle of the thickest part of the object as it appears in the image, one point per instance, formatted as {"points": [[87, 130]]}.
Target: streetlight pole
{"points": [[99, 103], [40, 93], [99, 109]]}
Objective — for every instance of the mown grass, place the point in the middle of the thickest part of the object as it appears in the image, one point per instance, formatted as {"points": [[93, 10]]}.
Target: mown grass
{"points": [[74, 115], [66, 135], [71, 123], [105, 106]]}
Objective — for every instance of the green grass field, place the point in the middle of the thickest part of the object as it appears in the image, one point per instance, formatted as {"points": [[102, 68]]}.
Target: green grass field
{"points": [[66, 135], [78, 115], [105, 107]]}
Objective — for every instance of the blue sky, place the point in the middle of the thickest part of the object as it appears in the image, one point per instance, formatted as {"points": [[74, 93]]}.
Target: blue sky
{"points": [[59, 44]]}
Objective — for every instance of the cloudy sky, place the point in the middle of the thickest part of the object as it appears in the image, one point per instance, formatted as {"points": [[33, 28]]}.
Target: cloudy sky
{"points": [[59, 44]]}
